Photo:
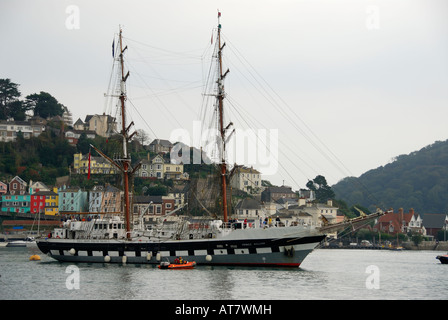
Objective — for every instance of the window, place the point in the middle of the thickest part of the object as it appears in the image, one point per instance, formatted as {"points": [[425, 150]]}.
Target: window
{"points": [[167, 205]]}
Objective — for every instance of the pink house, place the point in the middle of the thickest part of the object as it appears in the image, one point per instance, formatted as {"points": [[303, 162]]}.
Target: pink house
{"points": [[3, 188]]}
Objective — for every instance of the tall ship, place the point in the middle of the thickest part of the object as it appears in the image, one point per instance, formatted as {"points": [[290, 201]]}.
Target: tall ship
{"points": [[214, 240]]}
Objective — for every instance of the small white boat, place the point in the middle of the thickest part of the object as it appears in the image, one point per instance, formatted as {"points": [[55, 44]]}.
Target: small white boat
{"points": [[28, 242]]}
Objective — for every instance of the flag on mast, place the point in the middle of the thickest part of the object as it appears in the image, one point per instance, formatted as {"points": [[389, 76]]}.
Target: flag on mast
{"points": [[88, 174]]}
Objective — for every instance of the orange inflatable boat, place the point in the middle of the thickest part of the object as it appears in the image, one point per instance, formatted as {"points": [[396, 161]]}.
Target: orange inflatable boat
{"points": [[185, 265]]}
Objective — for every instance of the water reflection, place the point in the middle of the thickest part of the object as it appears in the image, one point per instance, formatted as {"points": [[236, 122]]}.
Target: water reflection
{"points": [[326, 274]]}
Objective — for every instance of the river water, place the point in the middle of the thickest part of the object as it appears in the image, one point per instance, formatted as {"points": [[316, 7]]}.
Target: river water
{"points": [[325, 274]]}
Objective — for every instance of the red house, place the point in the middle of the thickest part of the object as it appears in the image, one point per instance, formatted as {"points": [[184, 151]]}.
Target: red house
{"points": [[17, 186], [37, 203], [399, 222]]}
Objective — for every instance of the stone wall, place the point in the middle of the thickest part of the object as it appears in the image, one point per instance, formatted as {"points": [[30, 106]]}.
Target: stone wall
{"points": [[426, 245]]}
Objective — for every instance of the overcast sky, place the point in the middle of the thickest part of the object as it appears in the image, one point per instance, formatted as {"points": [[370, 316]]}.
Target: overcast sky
{"points": [[353, 83]]}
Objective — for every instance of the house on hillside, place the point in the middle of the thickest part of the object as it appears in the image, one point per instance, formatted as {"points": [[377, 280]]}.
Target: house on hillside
{"points": [[105, 199], [36, 186], [160, 146], [10, 129], [103, 125], [72, 199], [17, 203], [248, 208], [98, 165], [161, 168], [72, 136], [3, 188], [271, 194], [152, 205], [434, 222], [45, 201], [17, 186], [400, 222], [247, 180], [179, 192], [311, 213]]}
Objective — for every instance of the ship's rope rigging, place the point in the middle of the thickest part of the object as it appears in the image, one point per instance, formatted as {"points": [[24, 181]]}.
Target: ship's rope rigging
{"points": [[289, 148]]}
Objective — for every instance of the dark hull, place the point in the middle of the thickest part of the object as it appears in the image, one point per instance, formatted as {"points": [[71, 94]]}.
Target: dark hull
{"points": [[287, 252], [443, 259]]}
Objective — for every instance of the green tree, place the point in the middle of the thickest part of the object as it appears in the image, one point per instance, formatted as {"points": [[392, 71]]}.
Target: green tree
{"points": [[44, 105], [321, 189], [158, 190], [417, 238], [9, 95], [83, 144]]}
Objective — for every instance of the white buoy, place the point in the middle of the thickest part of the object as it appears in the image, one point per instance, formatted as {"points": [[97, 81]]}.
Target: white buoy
{"points": [[158, 256], [124, 259], [208, 258], [149, 256], [106, 258], [72, 251]]}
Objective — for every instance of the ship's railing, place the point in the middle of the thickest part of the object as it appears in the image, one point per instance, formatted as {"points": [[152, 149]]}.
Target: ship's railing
{"points": [[238, 224]]}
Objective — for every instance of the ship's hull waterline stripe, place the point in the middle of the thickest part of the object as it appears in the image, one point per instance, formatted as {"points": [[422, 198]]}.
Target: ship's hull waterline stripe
{"points": [[283, 253]]}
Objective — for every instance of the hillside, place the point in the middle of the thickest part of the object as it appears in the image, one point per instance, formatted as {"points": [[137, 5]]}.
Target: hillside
{"points": [[418, 180]]}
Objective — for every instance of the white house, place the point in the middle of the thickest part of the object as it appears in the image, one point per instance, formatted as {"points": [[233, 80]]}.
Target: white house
{"points": [[159, 168], [247, 180]]}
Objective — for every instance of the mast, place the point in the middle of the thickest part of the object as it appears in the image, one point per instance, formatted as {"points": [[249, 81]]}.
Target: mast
{"points": [[126, 159], [124, 163], [222, 130]]}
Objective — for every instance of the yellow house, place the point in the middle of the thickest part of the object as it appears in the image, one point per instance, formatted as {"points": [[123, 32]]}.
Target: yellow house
{"points": [[173, 171], [51, 204], [98, 165]]}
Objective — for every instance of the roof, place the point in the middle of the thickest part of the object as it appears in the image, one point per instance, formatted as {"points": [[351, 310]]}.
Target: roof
{"points": [[396, 218], [161, 142], [282, 189], [147, 199], [44, 193], [247, 170], [90, 116], [19, 180], [289, 214], [290, 201], [434, 220], [70, 189], [110, 188], [248, 204]]}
